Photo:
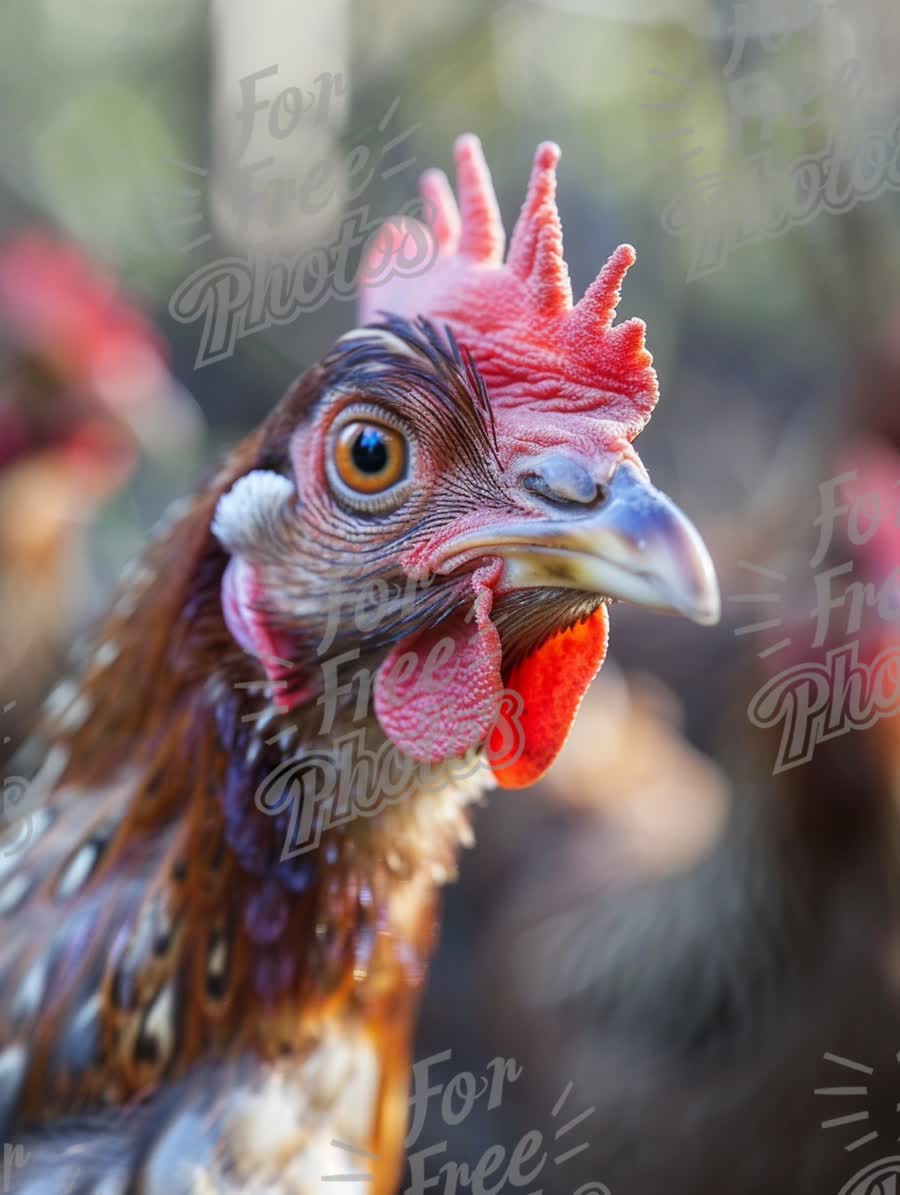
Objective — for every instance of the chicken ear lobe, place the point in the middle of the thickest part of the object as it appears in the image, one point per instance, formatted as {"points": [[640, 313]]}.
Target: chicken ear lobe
{"points": [[244, 609]]}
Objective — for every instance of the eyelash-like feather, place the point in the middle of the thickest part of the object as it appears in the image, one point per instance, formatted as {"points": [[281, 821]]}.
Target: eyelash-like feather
{"points": [[437, 370]]}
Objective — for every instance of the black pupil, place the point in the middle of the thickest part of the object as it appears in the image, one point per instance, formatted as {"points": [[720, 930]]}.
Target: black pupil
{"points": [[370, 452]]}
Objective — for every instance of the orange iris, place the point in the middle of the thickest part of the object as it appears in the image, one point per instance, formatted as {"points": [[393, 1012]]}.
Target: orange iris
{"points": [[370, 457]]}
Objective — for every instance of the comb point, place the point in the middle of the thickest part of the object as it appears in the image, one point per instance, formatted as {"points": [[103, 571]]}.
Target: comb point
{"points": [[547, 155], [482, 235], [536, 247], [441, 212], [549, 277], [597, 307]]}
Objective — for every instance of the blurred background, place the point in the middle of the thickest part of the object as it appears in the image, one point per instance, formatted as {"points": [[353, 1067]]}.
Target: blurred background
{"points": [[669, 925]]}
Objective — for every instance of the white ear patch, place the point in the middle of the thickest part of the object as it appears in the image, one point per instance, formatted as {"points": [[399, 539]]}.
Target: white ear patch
{"points": [[250, 512]]}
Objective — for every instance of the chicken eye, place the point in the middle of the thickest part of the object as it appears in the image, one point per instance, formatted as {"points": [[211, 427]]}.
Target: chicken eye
{"points": [[370, 458]]}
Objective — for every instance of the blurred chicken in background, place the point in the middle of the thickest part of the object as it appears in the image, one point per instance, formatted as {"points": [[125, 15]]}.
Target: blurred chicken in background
{"points": [[84, 389]]}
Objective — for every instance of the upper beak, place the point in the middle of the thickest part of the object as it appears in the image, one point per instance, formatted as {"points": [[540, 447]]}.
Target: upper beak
{"points": [[636, 546]]}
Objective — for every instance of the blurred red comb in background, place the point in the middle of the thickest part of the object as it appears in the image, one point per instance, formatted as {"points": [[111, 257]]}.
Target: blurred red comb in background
{"points": [[94, 352]]}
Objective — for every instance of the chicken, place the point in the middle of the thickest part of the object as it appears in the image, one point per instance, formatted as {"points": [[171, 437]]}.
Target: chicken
{"points": [[84, 386], [215, 941], [711, 957]]}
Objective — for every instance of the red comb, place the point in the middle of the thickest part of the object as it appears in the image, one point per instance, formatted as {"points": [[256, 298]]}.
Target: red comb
{"points": [[62, 306], [532, 346]]}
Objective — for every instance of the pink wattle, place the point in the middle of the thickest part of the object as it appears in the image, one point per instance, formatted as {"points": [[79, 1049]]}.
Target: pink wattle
{"points": [[438, 693]]}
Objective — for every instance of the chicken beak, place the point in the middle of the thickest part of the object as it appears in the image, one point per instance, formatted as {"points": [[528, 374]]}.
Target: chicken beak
{"points": [[637, 547]]}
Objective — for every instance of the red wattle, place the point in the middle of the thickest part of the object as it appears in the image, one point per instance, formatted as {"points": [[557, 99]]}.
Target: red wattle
{"points": [[551, 682]]}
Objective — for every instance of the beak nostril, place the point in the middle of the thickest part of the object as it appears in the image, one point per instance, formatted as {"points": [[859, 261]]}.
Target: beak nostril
{"points": [[564, 482], [538, 485]]}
